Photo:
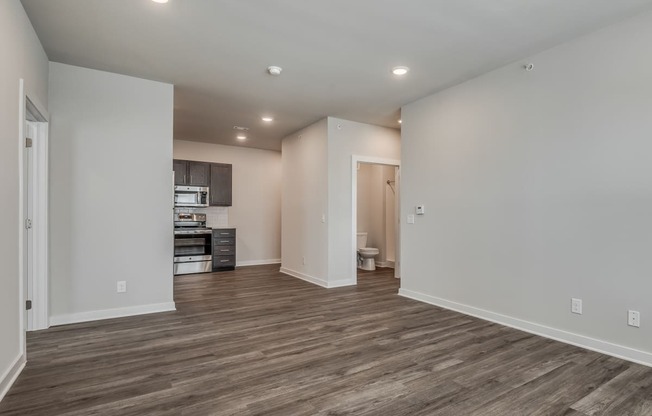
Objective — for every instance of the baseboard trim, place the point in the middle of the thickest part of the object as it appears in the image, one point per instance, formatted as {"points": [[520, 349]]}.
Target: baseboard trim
{"points": [[257, 262], [387, 263], [303, 276], [604, 347], [11, 374], [74, 318], [341, 283]]}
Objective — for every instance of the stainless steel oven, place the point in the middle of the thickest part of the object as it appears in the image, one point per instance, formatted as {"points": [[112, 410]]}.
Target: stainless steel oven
{"points": [[192, 244], [191, 196]]}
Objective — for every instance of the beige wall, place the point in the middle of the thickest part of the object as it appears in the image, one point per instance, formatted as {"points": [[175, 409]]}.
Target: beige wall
{"points": [[111, 194], [256, 210], [21, 56], [538, 188]]}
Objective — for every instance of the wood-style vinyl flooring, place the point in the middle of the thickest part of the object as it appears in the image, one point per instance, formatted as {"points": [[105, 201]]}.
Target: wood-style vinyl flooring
{"points": [[257, 342]]}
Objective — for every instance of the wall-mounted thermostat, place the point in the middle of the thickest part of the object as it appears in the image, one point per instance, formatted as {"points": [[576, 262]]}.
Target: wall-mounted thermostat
{"points": [[421, 209]]}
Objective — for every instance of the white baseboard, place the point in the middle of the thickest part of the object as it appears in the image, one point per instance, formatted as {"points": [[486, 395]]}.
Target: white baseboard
{"points": [[604, 347], [111, 313], [257, 262], [317, 281], [303, 276], [387, 263], [11, 374], [342, 283]]}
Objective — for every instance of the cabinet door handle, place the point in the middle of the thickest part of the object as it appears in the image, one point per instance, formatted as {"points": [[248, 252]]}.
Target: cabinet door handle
{"points": [[223, 261], [224, 233], [223, 241], [190, 178], [225, 250]]}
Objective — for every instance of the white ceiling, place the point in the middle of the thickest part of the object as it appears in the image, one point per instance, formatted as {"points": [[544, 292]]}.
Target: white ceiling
{"points": [[336, 54]]}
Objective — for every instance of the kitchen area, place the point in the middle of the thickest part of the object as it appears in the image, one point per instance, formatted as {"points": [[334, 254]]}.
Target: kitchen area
{"points": [[199, 248]]}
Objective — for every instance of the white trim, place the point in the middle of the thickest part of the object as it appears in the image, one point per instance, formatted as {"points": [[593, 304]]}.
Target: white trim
{"points": [[22, 325], [317, 281], [311, 279], [9, 377], [257, 262], [111, 313], [342, 283], [355, 159], [604, 347], [388, 263]]}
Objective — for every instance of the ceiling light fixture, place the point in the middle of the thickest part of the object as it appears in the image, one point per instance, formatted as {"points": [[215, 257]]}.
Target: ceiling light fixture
{"points": [[241, 137], [160, 1], [400, 70], [274, 70], [267, 119], [400, 121]]}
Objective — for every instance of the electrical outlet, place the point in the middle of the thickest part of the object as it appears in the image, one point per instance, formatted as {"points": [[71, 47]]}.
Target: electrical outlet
{"points": [[576, 306], [634, 318], [122, 286], [410, 219]]}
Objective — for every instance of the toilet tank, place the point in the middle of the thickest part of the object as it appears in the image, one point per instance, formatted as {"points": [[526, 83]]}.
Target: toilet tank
{"points": [[362, 240]]}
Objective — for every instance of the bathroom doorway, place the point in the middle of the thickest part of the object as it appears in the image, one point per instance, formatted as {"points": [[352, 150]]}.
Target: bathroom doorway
{"points": [[375, 212]]}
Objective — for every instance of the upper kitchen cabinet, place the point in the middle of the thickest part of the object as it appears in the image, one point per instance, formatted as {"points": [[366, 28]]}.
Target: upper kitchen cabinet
{"points": [[221, 185], [191, 173]]}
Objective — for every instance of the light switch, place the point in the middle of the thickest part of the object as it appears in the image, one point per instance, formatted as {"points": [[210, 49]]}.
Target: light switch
{"points": [[421, 209], [410, 219]]}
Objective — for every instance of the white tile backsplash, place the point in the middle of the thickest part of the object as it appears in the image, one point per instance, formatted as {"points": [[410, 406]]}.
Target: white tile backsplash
{"points": [[216, 216]]}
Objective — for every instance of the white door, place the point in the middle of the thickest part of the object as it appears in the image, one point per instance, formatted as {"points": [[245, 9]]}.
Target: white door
{"points": [[28, 234]]}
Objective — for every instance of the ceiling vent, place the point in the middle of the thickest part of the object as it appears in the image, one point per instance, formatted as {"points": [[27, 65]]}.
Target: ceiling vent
{"points": [[240, 128]]}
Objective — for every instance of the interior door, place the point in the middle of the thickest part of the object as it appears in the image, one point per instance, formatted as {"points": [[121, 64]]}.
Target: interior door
{"points": [[28, 234]]}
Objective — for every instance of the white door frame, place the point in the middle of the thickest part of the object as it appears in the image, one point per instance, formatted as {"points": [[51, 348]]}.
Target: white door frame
{"points": [[33, 120], [355, 159]]}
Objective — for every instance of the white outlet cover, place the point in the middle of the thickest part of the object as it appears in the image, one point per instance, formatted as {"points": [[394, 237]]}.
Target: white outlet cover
{"points": [[410, 219], [122, 286], [634, 319], [576, 306]]}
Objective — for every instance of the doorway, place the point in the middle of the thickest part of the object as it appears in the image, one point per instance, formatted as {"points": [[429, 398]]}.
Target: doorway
{"points": [[33, 215], [378, 198]]}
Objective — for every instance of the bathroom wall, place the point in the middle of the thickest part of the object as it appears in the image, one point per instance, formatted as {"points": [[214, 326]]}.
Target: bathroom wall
{"points": [[375, 207]]}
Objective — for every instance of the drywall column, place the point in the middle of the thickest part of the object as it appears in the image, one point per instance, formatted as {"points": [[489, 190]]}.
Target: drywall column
{"points": [[111, 194]]}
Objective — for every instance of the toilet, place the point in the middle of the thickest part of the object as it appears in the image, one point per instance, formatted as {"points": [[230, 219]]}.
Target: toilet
{"points": [[366, 254]]}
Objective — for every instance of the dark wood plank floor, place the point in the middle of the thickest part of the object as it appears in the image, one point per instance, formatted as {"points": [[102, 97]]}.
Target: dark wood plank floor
{"points": [[256, 342]]}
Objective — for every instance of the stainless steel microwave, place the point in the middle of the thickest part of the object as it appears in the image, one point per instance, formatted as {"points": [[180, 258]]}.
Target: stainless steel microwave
{"points": [[190, 196]]}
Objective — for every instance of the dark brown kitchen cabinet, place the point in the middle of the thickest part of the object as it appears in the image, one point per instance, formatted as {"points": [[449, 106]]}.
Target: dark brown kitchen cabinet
{"points": [[180, 171], [223, 249], [221, 190], [191, 173]]}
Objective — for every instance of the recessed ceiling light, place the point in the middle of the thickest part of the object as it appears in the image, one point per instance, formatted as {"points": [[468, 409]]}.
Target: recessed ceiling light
{"points": [[160, 1], [267, 119], [400, 70], [241, 137], [274, 70]]}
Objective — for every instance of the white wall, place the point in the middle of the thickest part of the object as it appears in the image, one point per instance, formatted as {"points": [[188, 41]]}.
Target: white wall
{"points": [[304, 200], [345, 139], [22, 56], [256, 210], [538, 188], [111, 194]]}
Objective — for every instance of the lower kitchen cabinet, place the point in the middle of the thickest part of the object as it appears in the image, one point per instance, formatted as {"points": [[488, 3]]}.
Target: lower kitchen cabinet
{"points": [[223, 249]]}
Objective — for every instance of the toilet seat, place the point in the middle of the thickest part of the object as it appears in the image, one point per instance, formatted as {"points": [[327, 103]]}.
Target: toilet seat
{"points": [[370, 251]]}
